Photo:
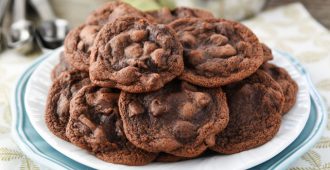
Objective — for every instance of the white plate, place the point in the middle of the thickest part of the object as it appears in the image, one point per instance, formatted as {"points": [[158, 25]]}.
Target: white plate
{"points": [[292, 124]]}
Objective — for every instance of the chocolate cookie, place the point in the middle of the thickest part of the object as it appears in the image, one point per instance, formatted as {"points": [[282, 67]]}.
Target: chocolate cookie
{"points": [[165, 15], [217, 51], [135, 56], [113, 10], [58, 102], [288, 85], [267, 52], [61, 67], [255, 107], [95, 125], [77, 45], [180, 119], [165, 157]]}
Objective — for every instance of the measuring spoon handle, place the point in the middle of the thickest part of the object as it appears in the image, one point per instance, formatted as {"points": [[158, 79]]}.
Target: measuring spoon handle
{"points": [[19, 10], [3, 9], [44, 9]]}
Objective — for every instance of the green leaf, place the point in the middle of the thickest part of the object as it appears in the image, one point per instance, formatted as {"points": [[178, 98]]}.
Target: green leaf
{"points": [[313, 158], [323, 143], [302, 168], [328, 123], [144, 5], [9, 154], [28, 164], [311, 56], [324, 85], [326, 166], [4, 102], [167, 3], [4, 130]]}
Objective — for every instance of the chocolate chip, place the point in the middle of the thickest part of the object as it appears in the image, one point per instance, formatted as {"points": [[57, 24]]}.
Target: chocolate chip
{"points": [[104, 102], [202, 99], [157, 108], [210, 140], [83, 119], [214, 66], [221, 51], [75, 87], [133, 51], [245, 47], [105, 119], [138, 35], [188, 110], [218, 39], [184, 130], [135, 108], [98, 134], [81, 46], [152, 79], [195, 57], [119, 41], [63, 106], [119, 130], [158, 57], [127, 75], [188, 40], [149, 47]]}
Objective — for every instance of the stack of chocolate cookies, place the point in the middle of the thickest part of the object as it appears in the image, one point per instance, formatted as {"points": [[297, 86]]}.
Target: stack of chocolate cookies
{"points": [[134, 87]]}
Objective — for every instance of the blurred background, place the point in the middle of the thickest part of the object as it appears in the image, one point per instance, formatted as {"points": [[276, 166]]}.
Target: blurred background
{"points": [[77, 10], [297, 27], [66, 14]]}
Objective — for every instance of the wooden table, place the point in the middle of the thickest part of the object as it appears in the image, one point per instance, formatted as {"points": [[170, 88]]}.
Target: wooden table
{"points": [[320, 9]]}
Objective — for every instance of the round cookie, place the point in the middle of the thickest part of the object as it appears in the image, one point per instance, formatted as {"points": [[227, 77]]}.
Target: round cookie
{"points": [[267, 52], [113, 10], [217, 51], [135, 56], [77, 45], [255, 107], [165, 15], [58, 101], [165, 157], [180, 119], [287, 84], [95, 125], [61, 67]]}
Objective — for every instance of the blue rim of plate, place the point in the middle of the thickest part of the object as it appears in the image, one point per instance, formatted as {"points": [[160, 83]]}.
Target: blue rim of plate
{"points": [[31, 143]]}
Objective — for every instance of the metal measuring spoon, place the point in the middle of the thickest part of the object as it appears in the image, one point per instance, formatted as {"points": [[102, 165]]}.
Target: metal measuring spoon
{"points": [[52, 31], [21, 32], [3, 9]]}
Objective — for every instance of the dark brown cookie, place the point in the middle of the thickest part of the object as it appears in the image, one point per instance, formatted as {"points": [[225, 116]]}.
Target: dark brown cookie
{"points": [[267, 53], [135, 56], [95, 125], [113, 10], [165, 15], [217, 51], [180, 119], [61, 67], [255, 112], [165, 157], [288, 85], [77, 46], [58, 102]]}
